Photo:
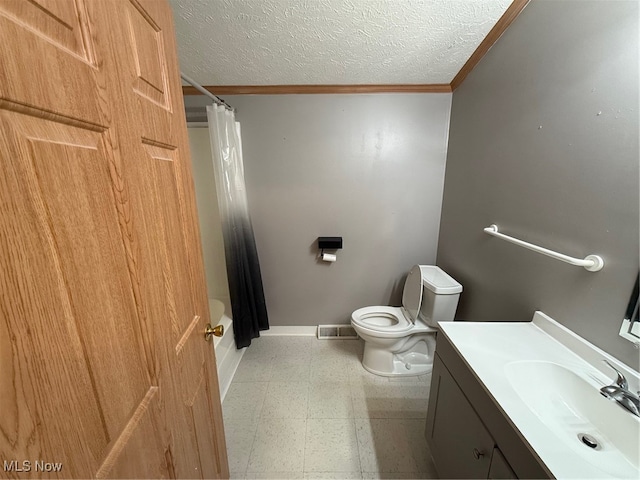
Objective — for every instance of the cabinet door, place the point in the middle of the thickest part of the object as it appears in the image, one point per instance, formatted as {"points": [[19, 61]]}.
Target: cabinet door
{"points": [[460, 444], [500, 469]]}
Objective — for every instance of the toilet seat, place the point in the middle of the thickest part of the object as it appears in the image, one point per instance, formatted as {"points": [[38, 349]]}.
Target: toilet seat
{"points": [[387, 322], [394, 322], [382, 321]]}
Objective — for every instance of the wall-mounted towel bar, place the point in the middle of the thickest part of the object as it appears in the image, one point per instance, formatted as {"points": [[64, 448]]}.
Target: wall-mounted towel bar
{"points": [[593, 263]]}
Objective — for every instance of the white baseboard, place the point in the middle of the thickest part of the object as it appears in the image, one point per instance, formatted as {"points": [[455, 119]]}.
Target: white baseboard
{"points": [[290, 331]]}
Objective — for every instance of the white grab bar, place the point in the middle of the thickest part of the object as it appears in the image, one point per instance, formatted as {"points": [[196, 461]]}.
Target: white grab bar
{"points": [[593, 263]]}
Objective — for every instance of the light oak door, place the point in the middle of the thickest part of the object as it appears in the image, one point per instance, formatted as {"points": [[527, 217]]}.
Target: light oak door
{"points": [[104, 370]]}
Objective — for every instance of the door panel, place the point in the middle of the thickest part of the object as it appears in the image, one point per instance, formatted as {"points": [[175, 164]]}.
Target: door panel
{"points": [[48, 400], [104, 364], [147, 47], [203, 407], [72, 171], [139, 450], [172, 242], [42, 30], [58, 21]]}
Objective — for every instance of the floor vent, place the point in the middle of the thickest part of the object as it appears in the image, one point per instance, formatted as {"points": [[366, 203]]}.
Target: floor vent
{"points": [[339, 332]]}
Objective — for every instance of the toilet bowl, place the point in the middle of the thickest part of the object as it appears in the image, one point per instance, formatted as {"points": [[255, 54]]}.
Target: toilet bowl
{"points": [[400, 341]]}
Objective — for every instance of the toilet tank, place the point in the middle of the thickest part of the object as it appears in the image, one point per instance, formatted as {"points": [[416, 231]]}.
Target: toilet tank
{"points": [[440, 294]]}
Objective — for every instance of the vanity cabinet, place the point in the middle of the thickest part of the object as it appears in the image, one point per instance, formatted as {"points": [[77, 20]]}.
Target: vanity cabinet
{"points": [[460, 444], [500, 468], [468, 434]]}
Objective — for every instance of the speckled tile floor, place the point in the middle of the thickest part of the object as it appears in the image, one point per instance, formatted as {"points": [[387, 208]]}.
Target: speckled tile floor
{"points": [[299, 407]]}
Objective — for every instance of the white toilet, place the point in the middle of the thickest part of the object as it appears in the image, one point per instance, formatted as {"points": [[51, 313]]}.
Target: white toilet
{"points": [[400, 341]]}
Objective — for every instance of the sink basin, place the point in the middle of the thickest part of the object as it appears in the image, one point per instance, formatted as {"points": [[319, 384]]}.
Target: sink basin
{"points": [[570, 405]]}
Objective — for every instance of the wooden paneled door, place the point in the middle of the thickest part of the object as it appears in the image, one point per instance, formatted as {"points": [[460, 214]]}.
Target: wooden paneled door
{"points": [[104, 370]]}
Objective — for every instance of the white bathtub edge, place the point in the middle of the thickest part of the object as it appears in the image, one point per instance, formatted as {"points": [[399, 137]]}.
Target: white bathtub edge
{"points": [[227, 356], [234, 361]]}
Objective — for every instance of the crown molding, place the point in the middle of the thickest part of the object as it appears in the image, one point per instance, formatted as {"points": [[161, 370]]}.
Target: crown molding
{"points": [[492, 37], [314, 89]]}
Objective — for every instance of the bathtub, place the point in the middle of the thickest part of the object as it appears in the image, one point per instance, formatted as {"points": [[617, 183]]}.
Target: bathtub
{"points": [[227, 355]]}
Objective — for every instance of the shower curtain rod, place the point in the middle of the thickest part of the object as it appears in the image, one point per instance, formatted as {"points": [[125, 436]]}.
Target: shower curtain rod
{"points": [[206, 92]]}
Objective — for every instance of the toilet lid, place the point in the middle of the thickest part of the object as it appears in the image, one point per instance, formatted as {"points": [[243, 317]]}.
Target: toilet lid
{"points": [[412, 293]]}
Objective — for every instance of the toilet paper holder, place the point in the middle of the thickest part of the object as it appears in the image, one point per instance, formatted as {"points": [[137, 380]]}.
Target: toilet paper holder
{"points": [[329, 243]]}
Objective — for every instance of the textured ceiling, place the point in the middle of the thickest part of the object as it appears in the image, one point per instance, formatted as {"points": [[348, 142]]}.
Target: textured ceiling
{"points": [[297, 42]]}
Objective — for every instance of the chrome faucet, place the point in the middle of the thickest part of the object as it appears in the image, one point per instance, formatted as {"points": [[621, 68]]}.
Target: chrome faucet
{"points": [[619, 392]]}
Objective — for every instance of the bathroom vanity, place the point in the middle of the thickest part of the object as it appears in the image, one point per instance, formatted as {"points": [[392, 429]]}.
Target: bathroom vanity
{"points": [[513, 400], [467, 440]]}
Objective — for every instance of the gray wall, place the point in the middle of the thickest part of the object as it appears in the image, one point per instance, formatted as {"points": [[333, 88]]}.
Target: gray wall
{"points": [[369, 168], [544, 142]]}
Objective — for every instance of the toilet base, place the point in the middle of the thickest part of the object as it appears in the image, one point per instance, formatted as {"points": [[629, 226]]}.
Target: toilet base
{"points": [[411, 363], [401, 371]]}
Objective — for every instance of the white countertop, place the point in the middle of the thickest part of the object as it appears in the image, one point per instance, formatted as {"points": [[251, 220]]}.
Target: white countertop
{"points": [[488, 347]]}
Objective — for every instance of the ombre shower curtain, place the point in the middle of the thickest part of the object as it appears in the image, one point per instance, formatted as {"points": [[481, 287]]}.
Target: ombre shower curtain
{"points": [[249, 311]]}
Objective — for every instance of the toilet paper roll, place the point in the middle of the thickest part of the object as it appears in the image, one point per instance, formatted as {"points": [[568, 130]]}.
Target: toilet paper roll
{"points": [[329, 257]]}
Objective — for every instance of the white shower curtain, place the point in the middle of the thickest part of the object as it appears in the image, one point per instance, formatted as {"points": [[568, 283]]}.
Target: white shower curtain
{"points": [[248, 306]]}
